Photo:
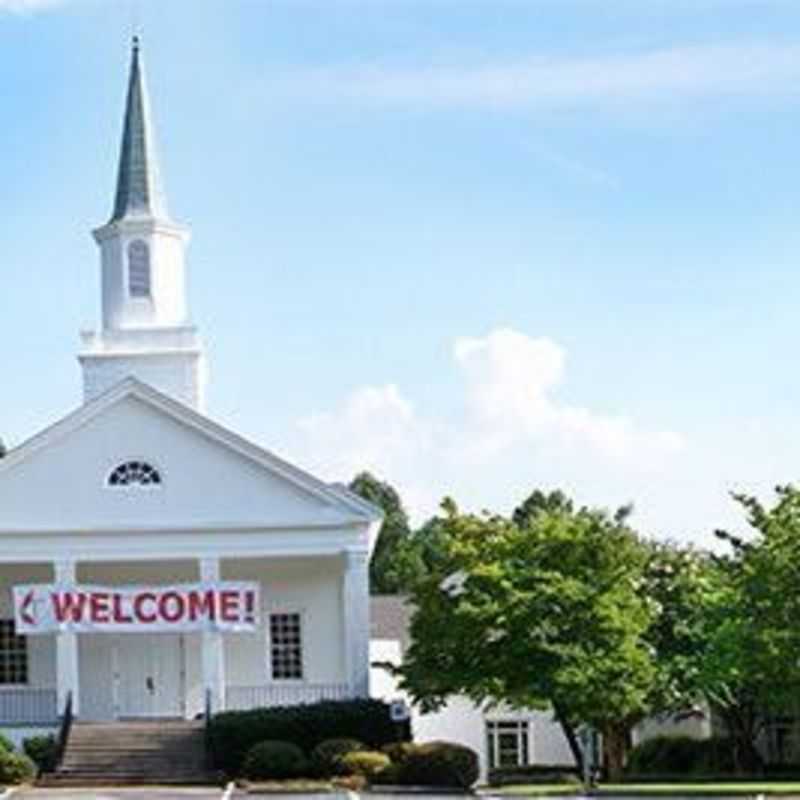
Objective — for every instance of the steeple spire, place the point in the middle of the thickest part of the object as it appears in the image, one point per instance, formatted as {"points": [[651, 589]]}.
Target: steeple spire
{"points": [[146, 330], [139, 191]]}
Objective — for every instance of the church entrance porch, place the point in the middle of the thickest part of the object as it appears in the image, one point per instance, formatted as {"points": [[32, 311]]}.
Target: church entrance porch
{"points": [[300, 649]]}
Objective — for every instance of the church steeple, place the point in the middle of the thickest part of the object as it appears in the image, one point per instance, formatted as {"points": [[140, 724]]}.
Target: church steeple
{"points": [[139, 190], [146, 330]]}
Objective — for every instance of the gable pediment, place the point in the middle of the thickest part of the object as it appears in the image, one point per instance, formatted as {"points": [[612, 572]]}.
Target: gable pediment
{"points": [[59, 480]]}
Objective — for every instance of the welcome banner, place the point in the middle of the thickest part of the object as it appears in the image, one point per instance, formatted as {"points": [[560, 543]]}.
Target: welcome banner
{"points": [[220, 606]]}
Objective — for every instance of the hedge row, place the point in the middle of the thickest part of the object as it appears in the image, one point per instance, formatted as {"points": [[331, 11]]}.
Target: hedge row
{"points": [[433, 764], [682, 755], [234, 733], [534, 773]]}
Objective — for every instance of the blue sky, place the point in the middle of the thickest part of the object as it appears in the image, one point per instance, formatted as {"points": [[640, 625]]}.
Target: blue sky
{"points": [[477, 246]]}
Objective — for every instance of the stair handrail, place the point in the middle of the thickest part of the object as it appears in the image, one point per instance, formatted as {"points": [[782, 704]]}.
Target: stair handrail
{"points": [[207, 731], [63, 733]]}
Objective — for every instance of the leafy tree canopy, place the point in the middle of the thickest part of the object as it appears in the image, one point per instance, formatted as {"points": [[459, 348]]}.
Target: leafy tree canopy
{"points": [[548, 613], [395, 562], [750, 666]]}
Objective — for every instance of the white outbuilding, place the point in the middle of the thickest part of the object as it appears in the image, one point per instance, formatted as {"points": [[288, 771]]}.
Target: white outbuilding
{"points": [[153, 562]]}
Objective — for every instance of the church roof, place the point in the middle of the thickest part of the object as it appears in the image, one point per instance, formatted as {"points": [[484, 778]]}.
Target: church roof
{"points": [[343, 508], [139, 190]]}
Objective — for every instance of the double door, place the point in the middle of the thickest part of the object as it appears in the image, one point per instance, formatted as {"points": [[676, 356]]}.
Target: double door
{"points": [[149, 680]]}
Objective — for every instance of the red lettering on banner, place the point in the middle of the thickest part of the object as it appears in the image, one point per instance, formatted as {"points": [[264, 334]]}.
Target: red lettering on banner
{"points": [[202, 605], [229, 605], [138, 601], [119, 616], [68, 606], [178, 603], [99, 607]]}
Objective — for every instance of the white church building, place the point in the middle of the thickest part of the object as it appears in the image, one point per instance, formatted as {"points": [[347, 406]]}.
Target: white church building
{"points": [[151, 560]]}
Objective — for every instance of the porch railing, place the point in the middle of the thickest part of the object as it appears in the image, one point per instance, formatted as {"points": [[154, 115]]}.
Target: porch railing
{"points": [[24, 706], [63, 733], [207, 715], [240, 698]]}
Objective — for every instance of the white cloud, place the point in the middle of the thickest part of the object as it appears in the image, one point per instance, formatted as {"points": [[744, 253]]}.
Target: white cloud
{"points": [[376, 429], [512, 424], [681, 72], [375, 422], [512, 379]]}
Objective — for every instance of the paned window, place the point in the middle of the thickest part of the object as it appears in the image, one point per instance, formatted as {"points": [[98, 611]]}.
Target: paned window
{"points": [[135, 473], [139, 269], [507, 743], [13, 654], [285, 646]]}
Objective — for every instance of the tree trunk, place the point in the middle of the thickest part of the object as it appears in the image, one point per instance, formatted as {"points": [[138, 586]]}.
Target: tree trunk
{"points": [[741, 723], [615, 750], [571, 737]]}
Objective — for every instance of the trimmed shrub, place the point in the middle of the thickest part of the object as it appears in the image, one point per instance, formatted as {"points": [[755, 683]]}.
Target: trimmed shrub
{"points": [[367, 763], [273, 760], [533, 773], [15, 768], [43, 751], [233, 733], [389, 776], [681, 755], [439, 764], [6, 745], [327, 756], [398, 751]]}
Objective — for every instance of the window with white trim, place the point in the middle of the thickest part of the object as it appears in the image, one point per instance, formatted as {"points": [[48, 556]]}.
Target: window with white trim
{"points": [[13, 654], [286, 646], [139, 269], [134, 473], [507, 743]]}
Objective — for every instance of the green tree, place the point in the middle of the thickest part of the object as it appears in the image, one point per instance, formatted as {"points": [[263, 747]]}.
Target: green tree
{"points": [[539, 502], [429, 542], [545, 614], [750, 666], [682, 585], [395, 564]]}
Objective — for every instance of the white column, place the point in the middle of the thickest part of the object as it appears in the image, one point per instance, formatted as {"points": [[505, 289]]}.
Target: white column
{"points": [[67, 672], [355, 599], [213, 646]]}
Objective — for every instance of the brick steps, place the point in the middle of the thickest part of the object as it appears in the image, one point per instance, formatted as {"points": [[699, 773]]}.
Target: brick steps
{"points": [[132, 753]]}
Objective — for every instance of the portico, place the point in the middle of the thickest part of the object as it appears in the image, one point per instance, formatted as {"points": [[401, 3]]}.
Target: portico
{"points": [[170, 675]]}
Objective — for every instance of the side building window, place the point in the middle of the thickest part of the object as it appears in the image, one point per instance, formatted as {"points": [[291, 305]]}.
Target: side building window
{"points": [[507, 744], [285, 646], [139, 269], [13, 655]]}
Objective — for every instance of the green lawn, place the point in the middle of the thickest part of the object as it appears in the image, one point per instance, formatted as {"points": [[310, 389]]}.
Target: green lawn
{"points": [[654, 789]]}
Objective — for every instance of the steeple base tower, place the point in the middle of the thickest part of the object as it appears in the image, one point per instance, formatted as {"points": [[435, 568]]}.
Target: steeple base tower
{"points": [[170, 359]]}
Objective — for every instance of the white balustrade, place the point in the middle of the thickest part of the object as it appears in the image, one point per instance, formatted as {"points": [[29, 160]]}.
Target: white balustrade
{"points": [[241, 698], [24, 706]]}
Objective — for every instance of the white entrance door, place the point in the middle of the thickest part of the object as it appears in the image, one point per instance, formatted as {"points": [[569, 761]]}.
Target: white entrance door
{"points": [[149, 678]]}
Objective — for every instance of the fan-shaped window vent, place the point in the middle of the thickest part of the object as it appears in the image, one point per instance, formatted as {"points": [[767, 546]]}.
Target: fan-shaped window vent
{"points": [[135, 473]]}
